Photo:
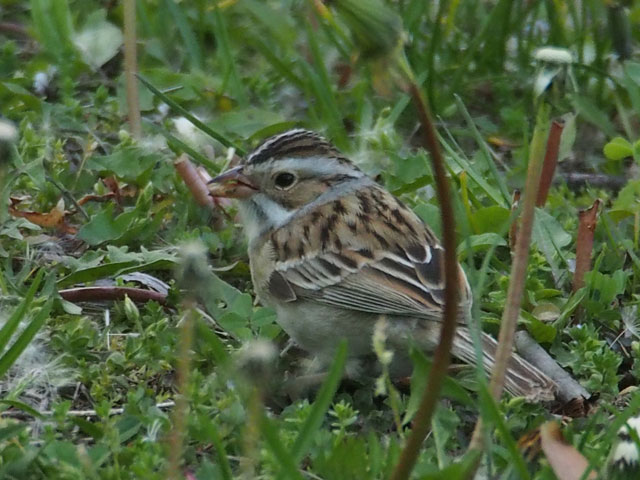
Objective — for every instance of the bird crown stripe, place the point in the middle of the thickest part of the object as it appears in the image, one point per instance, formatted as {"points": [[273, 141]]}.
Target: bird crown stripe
{"points": [[299, 142]]}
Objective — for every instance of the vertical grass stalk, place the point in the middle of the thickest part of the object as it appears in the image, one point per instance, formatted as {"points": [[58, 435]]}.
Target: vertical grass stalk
{"points": [[179, 419], [515, 291], [131, 67]]}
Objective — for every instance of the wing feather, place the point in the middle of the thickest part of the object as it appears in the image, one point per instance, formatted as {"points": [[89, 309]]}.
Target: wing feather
{"points": [[395, 268]]}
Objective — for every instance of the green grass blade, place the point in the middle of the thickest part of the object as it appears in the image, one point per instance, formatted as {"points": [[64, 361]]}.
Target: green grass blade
{"points": [[454, 158], [198, 123], [492, 414], [487, 30], [223, 460], [11, 431], [22, 406], [25, 338], [497, 178], [178, 145], [286, 460], [227, 58], [286, 71], [206, 334], [321, 87], [188, 36], [14, 320], [322, 403], [61, 15]]}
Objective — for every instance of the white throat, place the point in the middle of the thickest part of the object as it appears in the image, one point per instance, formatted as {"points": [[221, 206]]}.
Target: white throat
{"points": [[259, 214]]}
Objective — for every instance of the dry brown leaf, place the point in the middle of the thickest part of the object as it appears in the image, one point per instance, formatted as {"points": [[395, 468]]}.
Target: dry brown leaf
{"points": [[55, 218], [567, 463], [96, 198]]}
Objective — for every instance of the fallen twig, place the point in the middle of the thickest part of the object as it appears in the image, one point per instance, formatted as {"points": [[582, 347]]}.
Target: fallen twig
{"points": [[577, 180], [23, 415], [15, 29], [568, 388], [94, 294]]}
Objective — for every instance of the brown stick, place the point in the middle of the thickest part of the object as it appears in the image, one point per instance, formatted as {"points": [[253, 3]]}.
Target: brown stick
{"points": [[131, 67], [441, 356], [550, 161], [578, 180], [584, 244], [14, 29], [194, 181], [568, 387], [96, 294]]}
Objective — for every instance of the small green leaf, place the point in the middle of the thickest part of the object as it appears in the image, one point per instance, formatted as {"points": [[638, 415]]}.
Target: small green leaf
{"points": [[568, 137], [632, 69], [548, 232], [104, 227], [99, 41], [129, 163], [484, 241], [22, 406], [491, 219], [618, 148], [430, 214], [546, 312], [542, 332]]}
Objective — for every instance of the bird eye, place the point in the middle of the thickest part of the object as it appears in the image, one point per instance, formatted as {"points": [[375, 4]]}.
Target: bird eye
{"points": [[284, 180]]}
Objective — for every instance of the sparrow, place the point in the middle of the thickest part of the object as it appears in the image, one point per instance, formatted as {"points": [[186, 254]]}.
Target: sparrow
{"points": [[623, 461], [333, 253]]}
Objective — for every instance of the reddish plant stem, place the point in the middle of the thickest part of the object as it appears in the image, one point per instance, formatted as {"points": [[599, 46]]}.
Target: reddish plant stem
{"points": [[194, 181], [550, 161], [584, 244], [441, 356]]}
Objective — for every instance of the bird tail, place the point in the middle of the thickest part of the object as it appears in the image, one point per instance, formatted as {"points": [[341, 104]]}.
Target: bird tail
{"points": [[522, 379]]}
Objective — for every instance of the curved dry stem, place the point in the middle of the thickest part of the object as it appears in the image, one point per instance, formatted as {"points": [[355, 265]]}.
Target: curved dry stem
{"points": [[441, 357]]}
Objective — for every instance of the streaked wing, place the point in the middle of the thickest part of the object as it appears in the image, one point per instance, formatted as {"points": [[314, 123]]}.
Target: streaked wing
{"points": [[367, 252]]}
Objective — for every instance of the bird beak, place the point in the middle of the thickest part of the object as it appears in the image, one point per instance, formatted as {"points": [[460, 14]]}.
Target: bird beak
{"points": [[232, 184]]}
